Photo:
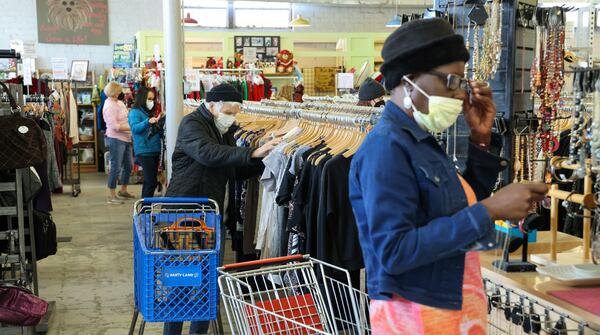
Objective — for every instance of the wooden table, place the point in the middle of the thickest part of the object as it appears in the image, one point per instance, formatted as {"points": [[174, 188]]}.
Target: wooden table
{"points": [[537, 286]]}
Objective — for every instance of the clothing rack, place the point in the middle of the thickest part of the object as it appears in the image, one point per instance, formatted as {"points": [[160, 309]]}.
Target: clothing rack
{"points": [[339, 100], [229, 70], [16, 258], [325, 106], [338, 118]]}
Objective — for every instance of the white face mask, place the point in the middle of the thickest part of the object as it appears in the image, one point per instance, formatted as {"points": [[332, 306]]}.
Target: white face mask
{"points": [[223, 122], [149, 104], [443, 111]]}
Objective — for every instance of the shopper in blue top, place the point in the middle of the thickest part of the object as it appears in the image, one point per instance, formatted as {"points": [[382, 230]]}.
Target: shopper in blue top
{"points": [[415, 225], [146, 138]]}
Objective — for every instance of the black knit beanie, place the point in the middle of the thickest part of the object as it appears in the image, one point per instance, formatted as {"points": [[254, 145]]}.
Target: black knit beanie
{"points": [[420, 46], [370, 89], [224, 92]]}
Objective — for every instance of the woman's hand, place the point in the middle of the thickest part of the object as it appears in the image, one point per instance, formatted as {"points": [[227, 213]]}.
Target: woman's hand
{"points": [[480, 112], [153, 120]]}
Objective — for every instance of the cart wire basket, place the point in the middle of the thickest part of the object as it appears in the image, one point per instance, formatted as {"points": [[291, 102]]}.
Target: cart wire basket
{"points": [[292, 295], [174, 285]]}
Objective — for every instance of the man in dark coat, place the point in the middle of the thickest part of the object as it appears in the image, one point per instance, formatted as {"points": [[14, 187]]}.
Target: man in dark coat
{"points": [[206, 162]]}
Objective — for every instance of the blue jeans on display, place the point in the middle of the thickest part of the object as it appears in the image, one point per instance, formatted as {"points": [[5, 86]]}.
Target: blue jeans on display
{"points": [[120, 161], [196, 327]]}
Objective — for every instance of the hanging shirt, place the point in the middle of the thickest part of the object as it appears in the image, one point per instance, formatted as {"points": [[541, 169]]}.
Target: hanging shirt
{"points": [[337, 235], [73, 117]]}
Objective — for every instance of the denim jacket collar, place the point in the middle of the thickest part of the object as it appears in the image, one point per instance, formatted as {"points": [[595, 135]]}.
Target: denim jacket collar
{"points": [[405, 122]]}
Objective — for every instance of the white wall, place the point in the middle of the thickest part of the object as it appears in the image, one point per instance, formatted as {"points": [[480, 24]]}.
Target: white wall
{"points": [[125, 18]]}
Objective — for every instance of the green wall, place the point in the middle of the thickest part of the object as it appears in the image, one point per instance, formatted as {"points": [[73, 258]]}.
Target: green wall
{"points": [[359, 46]]}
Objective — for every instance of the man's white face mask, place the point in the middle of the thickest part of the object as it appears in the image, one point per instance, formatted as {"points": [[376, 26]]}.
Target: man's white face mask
{"points": [[225, 121]]}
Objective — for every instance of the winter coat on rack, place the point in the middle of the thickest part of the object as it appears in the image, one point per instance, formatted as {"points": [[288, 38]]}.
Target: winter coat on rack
{"points": [[204, 162]]}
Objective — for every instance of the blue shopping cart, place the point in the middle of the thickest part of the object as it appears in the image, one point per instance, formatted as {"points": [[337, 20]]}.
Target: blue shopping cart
{"points": [[174, 285]]}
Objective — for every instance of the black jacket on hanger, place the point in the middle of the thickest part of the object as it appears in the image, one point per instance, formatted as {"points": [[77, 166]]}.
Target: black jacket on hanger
{"points": [[204, 161]]}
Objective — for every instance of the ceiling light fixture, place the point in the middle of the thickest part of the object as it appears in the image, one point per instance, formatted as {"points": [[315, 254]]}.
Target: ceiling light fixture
{"points": [[396, 21], [189, 21], [299, 22]]}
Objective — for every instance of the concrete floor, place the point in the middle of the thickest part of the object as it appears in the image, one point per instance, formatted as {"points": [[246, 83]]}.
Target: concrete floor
{"points": [[91, 277]]}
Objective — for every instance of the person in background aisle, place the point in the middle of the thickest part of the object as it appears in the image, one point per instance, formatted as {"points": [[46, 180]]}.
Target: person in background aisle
{"points": [[146, 143], [371, 94], [419, 221], [206, 163], [118, 134]]}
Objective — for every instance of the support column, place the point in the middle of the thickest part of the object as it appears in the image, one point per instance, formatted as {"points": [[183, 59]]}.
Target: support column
{"points": [[173, 60]]}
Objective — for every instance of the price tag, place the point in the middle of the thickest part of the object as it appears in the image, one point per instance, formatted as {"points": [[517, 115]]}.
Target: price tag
{"points": [[27, 80]]}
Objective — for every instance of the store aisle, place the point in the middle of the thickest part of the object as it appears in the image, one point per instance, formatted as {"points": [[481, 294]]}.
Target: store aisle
{"points": [[91, 277]]}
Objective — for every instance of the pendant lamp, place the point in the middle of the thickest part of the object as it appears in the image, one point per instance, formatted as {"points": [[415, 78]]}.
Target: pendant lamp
{"points": [[396, 21], [189, 21], [299, 22]]}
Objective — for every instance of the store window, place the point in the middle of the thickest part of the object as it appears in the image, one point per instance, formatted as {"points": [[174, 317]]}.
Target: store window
{"points": [[212, 14], [257, 14]]}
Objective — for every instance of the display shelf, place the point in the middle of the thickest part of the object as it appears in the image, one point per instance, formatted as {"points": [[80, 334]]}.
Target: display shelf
{"points": [[536, 286]]}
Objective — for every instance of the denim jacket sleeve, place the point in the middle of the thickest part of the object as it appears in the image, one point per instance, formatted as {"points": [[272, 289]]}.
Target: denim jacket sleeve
{"points": [[388, 186], [483, 167]]}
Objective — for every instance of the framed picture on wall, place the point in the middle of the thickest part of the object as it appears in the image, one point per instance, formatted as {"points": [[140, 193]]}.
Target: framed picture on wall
{"points": [[240, 50], [258, 41], [268, 42], [272, 51], [239, 42], [246, 41], [79, 70], [261, 50], [275, 41]]}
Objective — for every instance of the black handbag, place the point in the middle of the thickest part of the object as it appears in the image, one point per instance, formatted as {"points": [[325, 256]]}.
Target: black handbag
{"points": [[45, 235], [23, 141]]}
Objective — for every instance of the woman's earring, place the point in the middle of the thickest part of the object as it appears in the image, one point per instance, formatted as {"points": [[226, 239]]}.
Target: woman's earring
{"points": [[407, 102]]}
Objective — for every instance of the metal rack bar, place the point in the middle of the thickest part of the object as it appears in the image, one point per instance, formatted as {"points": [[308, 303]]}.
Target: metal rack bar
{"points": [[323, 106], [331, 117]]}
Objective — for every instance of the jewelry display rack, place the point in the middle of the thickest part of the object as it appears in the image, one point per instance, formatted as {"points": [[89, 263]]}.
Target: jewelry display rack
{"points": [[458, 12]]}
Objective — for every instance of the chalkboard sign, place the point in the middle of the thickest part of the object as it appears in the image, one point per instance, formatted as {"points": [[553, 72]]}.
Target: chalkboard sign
{"points": [[72, 21], [123, 55]]}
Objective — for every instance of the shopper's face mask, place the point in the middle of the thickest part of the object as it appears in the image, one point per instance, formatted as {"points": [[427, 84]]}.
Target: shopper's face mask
{"points": [[443, 111], [149, 104], [225, 121]]}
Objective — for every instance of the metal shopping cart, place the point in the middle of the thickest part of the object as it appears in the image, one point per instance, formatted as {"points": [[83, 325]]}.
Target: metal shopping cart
{"points": [[292, 295], [174, 285]]}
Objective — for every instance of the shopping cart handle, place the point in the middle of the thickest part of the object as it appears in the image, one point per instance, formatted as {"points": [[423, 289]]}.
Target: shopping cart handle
{"points": [[268, 261], [176, 200]]}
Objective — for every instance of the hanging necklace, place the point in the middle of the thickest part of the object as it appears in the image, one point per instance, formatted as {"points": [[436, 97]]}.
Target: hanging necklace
{"points": [[517, 165], [468, 45], [488, 48]]}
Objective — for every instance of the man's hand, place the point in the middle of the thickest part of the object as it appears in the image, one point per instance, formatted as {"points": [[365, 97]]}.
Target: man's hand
{"points": [[266, 148], [480, 112]]}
